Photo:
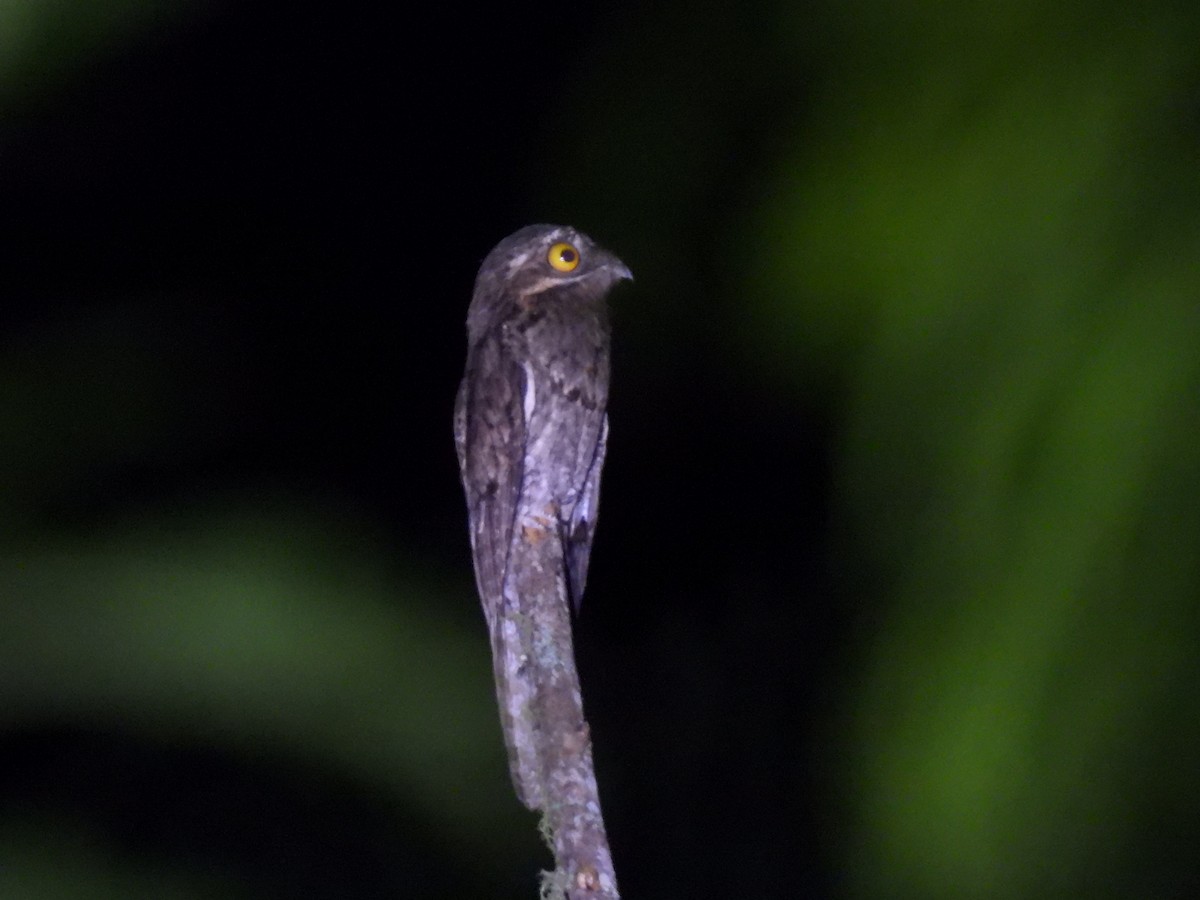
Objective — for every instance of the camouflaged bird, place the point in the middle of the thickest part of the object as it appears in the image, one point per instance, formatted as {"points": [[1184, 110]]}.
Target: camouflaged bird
{"points": [[530, 422]]}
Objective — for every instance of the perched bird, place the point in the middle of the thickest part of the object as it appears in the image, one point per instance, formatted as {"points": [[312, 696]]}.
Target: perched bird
{"points": [[530, 420], [530, 427]]}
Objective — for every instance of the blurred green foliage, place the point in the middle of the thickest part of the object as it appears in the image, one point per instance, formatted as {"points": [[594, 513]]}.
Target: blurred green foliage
{"points": [[987, 235], [43, 43]]}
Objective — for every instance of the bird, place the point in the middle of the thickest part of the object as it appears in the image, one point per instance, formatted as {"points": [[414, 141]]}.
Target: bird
{"points": [[531, 410], [530, 416]]}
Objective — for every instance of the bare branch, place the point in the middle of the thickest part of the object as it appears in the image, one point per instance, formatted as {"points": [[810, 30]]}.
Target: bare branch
{"points": [[540, 695]]}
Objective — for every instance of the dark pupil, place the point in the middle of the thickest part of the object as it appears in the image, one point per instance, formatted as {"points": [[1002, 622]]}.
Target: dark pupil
{"points": [[567, 256]]}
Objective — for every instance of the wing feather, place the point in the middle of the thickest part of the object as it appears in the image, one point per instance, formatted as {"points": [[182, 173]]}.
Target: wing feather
{"points": [[582, 528], [490, 433]]}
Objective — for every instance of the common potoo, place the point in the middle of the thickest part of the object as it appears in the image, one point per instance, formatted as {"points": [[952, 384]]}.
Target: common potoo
{"points": [[530, 421]]}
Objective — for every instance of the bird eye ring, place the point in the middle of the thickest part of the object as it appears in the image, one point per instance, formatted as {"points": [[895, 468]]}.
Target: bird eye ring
{"points": [[563, 257]]}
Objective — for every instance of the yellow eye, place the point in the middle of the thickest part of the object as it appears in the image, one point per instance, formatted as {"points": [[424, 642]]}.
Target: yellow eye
{"points": [[563, 257]]}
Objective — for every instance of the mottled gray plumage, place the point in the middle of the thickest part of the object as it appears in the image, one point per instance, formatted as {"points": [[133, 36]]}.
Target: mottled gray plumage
{"points": [[530, 417]]}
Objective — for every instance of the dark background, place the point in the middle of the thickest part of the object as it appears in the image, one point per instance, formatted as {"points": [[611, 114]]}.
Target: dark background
{"points": [[894, 593]]}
